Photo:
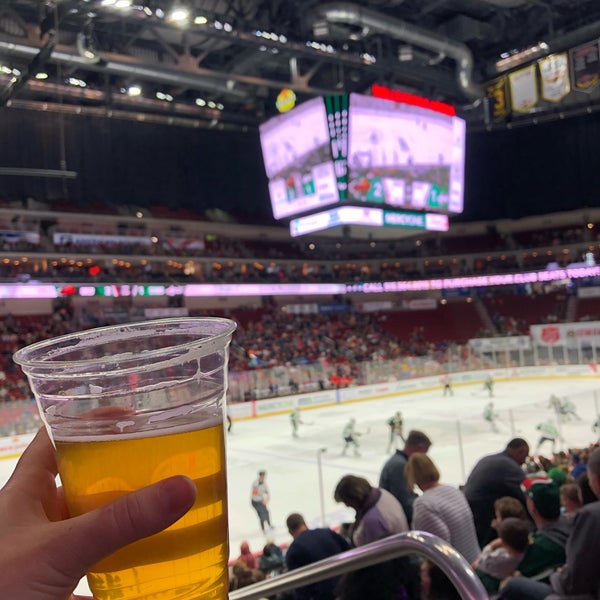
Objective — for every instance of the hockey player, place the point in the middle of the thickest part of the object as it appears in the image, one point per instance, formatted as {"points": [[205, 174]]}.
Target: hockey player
{"points": [[549, 433], [295, 420], [490, 416], [396, 425], [446, 381], [350, 434], [563, 408], [488, 385], [596, 427]]}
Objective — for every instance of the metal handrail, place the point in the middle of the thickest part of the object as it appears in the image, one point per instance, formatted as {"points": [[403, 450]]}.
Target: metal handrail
{"points": [[420, 543]]}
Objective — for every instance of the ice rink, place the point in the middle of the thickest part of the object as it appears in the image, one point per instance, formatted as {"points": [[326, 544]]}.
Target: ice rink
{"points": [[460, 437]]}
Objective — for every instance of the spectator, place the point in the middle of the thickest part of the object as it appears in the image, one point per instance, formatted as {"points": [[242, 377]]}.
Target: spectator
{"points": [[441, 510], [393, 478], [571, 499], [271, 561], [506, 507], [309, 546], [491, 478], [580, 575], [500, 558], [546, 549], [587, 494], [243, 576], [378, 515], [247, 557]]}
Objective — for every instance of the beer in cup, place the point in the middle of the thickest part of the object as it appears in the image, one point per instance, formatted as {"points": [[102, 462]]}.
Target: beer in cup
{"points": [[129, 405]]}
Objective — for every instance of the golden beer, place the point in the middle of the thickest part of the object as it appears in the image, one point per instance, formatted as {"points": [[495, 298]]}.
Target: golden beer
{"points": [[187, 561]]}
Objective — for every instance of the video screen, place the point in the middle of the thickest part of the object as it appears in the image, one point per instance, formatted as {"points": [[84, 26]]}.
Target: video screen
{"points": [[298, 161], [405, 156]]}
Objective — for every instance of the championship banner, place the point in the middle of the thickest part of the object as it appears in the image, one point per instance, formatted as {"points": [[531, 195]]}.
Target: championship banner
{"points": [[497, 92], [554, 76], [571, 335], [585, 67], [523, 89]]}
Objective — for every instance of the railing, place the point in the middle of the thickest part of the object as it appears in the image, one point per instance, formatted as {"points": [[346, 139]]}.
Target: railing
{"points": [[420, 543]]}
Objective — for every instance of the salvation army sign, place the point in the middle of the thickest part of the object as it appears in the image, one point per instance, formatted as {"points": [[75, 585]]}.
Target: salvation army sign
{"points": [[571, 335]]}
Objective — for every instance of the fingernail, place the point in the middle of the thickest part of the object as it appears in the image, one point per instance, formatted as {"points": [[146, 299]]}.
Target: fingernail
{"points": [[177, 494]]}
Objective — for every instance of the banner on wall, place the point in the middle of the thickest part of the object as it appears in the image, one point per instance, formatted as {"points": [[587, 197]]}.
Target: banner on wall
{"points": [[570, 335], [497, 91], [523, 89], [585, 66], [554, 77]]}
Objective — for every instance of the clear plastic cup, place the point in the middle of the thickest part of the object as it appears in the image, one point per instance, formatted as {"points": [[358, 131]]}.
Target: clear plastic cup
{"points": [[128, 405]]}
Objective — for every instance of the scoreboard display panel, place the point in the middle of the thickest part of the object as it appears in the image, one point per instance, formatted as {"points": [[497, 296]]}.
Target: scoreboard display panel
{"points": [[364, 150]]}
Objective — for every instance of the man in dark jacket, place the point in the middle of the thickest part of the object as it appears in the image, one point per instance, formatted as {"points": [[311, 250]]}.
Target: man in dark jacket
{"points": [[392, 476], [309, 546], [493, 477]]}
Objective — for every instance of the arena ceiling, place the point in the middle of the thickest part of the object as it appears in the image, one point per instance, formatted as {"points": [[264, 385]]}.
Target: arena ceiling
{"points": [[222, 63]]}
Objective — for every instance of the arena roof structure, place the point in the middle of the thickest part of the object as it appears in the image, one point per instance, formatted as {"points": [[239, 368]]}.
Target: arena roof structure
{"points": [[222, 63]]}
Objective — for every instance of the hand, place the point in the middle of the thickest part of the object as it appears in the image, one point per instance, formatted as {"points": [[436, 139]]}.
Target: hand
{"points": [[44, 553]]}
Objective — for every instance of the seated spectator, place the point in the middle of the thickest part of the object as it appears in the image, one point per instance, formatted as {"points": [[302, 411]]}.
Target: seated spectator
{"points": [[506, 507], [271, 562], [500, 558], [570, 499], [579, 464], [243, 576], [309, 546], [587, 494], [247, 557], [378, 515], [557, 475], [442, 509], [546, 548], [580, 575]]}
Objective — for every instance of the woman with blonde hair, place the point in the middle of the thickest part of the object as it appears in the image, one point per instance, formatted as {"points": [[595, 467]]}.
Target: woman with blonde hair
{"points": [[441, 509]]}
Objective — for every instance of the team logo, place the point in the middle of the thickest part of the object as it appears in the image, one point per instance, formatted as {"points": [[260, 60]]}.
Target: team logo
{"points": [[550, 335]]}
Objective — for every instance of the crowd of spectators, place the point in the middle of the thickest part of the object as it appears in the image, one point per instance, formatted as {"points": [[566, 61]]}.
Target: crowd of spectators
{"points": [[539, 513], [179, 253]]}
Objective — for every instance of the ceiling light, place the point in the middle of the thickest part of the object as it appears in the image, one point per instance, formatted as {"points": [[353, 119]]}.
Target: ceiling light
{"points": [[179, 15], [76, 82], [123, 4], [41, 75], [200, 20], [200, 101], [211, 104], [134, 90]]}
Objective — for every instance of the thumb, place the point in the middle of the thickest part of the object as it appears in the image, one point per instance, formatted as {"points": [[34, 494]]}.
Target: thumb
{"points": [[142, 513]]}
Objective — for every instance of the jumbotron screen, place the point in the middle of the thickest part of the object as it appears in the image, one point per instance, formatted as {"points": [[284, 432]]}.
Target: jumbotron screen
{"points": [[367, 150]]}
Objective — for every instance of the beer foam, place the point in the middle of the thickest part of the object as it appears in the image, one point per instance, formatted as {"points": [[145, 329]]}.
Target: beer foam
{"points": [[164, 429]]}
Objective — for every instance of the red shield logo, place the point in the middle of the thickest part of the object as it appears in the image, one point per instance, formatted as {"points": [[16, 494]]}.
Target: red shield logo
{"points": [[550, 335]]}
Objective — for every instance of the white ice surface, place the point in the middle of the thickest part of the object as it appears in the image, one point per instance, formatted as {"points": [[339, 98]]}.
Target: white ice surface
{"points": [[292, 467]]}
